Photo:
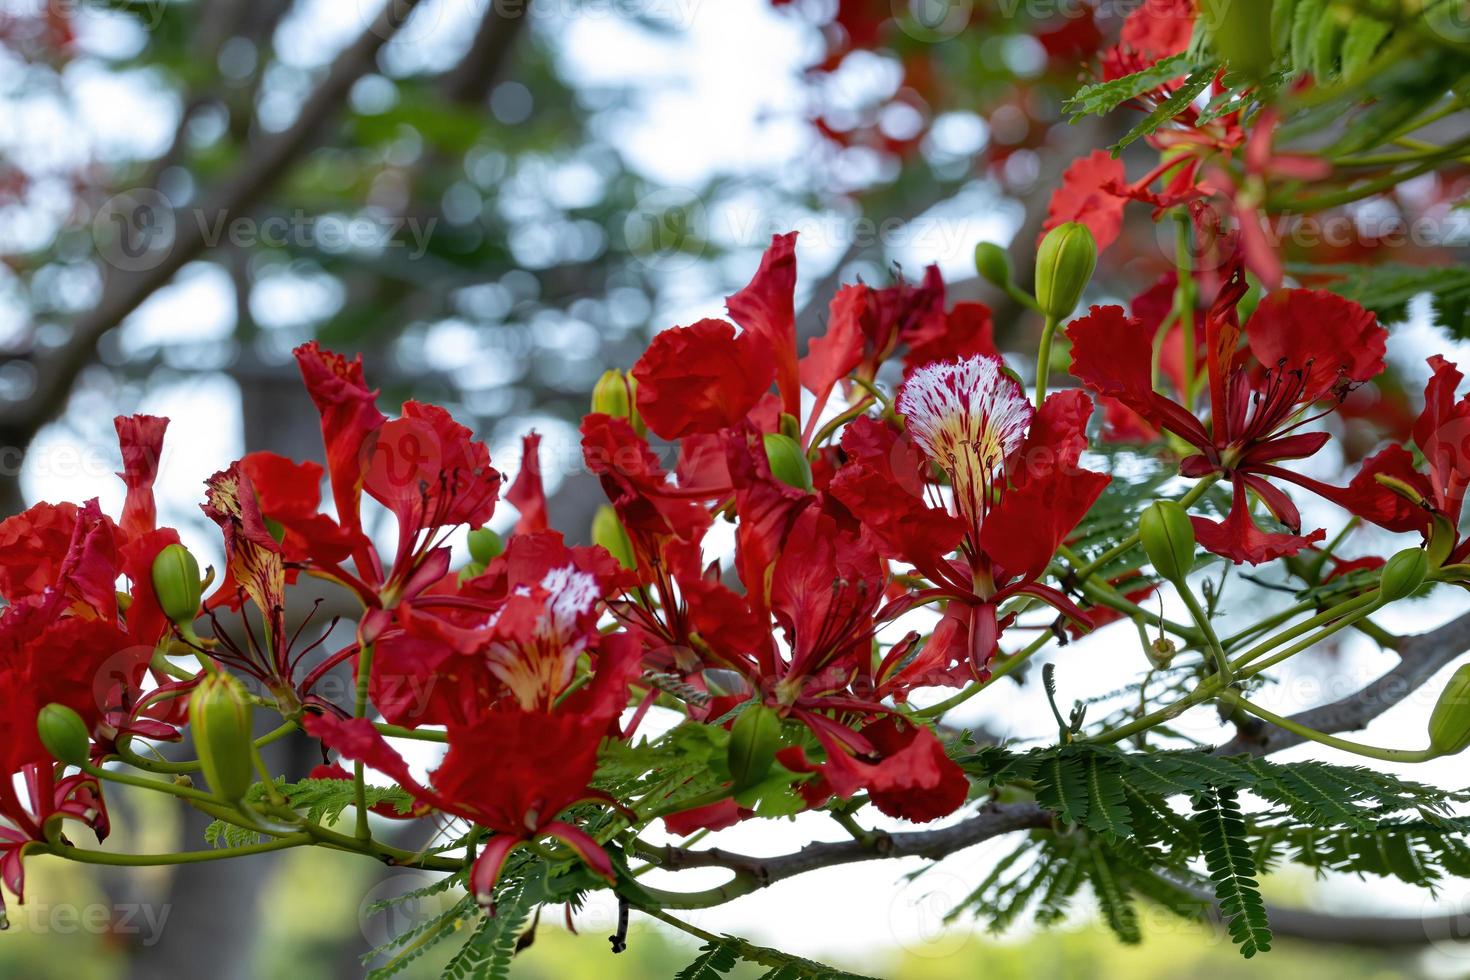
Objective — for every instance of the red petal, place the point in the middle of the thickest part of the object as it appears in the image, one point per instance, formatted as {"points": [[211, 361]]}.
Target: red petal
{"points": [[527, 495], [1239, 539], [835, 354], [766, 309], [1113, 355], [141, 440], [965, 331], [1311, 329], [701, 378], [1442, 433], [1081, 197], [349, 416]]}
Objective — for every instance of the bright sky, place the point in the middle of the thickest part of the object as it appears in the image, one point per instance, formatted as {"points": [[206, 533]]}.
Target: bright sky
{"points": [[717, 92]]}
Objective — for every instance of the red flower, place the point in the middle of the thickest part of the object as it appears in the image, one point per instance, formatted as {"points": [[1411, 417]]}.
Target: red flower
{"points": [[1154, 31], [1392, 492], [1304, 347], [1083, 196], [513, 769], [1018, 492], [901, 765], [701, 378]]}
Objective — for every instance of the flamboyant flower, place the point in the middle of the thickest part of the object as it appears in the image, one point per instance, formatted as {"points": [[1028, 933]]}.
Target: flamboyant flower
{"points": [[543, 740], [1304, 348], [1393, 492], [1017, 492], [423, 466]]}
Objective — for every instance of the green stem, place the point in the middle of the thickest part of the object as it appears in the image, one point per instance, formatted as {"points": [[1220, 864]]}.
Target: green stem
{"points": [[1308, 642], [359, 710], [126, 754], [85, 856], [1202, 620], [1006, 666], [1311, 734], [1043, 358], [1207, 689], [420, 734], [1347, 607], [826, 431]]}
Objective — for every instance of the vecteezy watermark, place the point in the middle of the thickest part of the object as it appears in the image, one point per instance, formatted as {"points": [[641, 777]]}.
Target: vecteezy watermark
{"points": [[138, 229], [932, 21], [142, 920], [667, 230], [1333, 231], [147, 14], [396, 906], [670, 229]]}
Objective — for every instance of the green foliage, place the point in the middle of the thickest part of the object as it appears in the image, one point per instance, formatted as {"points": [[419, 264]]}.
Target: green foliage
{"points": [[719, 956], [1232, 869], [487, 953], [318, 800], [1103, 97], [1180, 99], [1121, 831]]}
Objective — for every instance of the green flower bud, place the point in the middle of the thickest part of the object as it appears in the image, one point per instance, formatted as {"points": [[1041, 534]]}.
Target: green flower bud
{"points": [[1064, 265], [754, 738], [616, 394], [177, 584], [1168, 539], [1449, 722], [609, 532], [485, 545], [788, 463], [993, 263], [610, 395], [64, 734], [1402, 574], [1240, 31], [220, 718], [473, 570]]}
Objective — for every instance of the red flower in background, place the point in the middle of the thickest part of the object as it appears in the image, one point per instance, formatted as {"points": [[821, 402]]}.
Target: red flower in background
{"points": [[1304, 347]]}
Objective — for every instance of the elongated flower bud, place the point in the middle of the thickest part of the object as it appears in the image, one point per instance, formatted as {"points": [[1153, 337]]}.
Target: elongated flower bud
{"points": [[64, 734], [609, 532], [1402, 574], [754, 738], [220, 717], [1240, 31], [1449, 722], [1168, 539], [993, 264], [1064, 265], [485, 545], [616, 394], [177, 584], [788, 463]]}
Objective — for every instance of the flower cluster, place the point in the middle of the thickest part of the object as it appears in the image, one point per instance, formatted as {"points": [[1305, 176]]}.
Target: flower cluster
{"points": [[899, 499]]}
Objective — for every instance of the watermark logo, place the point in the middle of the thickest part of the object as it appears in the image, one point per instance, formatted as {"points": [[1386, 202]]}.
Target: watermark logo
{"points": [[667, 230], [394, 906], [135, 230], [932, 21]]}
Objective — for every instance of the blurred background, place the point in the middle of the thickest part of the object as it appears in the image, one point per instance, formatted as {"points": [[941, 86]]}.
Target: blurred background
{"points": [[494, 201]]}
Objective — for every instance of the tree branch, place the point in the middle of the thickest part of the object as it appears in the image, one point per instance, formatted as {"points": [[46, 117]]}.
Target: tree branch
{"points": [[752, 873], [265, 162]]}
